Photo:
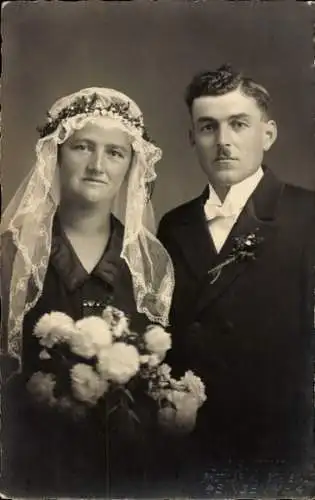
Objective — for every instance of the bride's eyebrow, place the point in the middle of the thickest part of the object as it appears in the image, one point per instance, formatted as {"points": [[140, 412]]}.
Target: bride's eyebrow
{"points": [[118, 146], [76, 140]]}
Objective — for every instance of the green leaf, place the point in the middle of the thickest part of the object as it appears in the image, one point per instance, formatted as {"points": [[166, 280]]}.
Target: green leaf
{"points": [[133, 415], [112, 410], [128, 394]]}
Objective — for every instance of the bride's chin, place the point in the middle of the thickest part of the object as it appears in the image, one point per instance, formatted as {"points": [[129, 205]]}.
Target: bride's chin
{"points": [[92, 195]]}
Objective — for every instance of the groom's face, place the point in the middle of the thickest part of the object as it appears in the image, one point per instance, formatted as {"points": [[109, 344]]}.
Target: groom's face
{"points": [[230, 135]]}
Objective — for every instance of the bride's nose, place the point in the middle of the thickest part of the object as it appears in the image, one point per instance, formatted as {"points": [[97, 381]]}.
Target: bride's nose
{"points": [[97, 161]]}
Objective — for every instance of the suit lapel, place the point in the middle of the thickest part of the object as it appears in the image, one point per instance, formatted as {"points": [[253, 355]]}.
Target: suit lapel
{"points": [[194, 239], [259, 215]]}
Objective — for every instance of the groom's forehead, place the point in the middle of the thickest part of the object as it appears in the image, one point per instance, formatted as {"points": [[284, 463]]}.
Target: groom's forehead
{"points": [[224, 106]]}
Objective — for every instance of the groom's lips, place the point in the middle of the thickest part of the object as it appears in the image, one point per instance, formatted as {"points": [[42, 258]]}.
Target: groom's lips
{"points": [[224, 161], [224, 158]]}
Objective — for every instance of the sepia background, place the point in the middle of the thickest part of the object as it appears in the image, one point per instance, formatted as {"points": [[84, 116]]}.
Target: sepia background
{"points": [[150, 51]]}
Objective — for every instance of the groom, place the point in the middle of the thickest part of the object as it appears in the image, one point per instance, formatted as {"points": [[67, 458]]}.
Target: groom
{"points": [[247, 330]]}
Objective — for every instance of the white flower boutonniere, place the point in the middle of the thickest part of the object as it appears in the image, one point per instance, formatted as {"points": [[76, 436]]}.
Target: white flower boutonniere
{"points": [[245, 248]]}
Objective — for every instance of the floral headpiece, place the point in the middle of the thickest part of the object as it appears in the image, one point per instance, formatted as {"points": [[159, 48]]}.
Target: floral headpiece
{"points": [[91, 104]]}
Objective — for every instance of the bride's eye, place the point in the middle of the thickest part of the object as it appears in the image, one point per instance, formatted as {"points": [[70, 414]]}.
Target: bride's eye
{"points": [[116, 153], [81, 147]]}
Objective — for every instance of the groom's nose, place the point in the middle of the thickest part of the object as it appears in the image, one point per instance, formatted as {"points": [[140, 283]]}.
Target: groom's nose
{"points": [[223, 135]]}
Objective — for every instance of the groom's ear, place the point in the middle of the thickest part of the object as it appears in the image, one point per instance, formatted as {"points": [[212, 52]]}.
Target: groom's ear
{"points": [[270, 134]]}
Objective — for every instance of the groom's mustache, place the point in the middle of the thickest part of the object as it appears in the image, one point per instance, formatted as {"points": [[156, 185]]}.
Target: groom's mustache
{"points": [[223, 154]]}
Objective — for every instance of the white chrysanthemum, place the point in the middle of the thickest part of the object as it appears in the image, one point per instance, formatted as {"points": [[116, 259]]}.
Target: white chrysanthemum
{"points": [[144, 359], [152, 360], [117, 320], [119, 363], [182, 418], [51, 320], [195, 386], [44, 354], [164, 371], [41, 386], [54, 327], [157, 340], [92, 335], [108, 314], [121, 327], [87, 385]]}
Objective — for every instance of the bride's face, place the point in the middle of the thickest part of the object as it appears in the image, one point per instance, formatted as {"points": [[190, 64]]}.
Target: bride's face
{"points": [[93, 163]]}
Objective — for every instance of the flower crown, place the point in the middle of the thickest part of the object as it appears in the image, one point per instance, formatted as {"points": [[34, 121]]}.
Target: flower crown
{"points": [[92, 105]]}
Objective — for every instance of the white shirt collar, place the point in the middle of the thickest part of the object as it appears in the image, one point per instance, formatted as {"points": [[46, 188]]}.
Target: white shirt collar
{"points": [[238, 194]]}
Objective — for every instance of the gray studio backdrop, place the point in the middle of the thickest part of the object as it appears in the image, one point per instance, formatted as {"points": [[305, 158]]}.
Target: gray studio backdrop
{"points": [[150, 50]]}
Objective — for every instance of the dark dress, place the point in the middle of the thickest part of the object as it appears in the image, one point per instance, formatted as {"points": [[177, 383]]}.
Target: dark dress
{"points": [[48, 453]]}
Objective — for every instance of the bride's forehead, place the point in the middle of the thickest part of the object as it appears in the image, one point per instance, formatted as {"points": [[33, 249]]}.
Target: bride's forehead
{"points": [[98, 133]]}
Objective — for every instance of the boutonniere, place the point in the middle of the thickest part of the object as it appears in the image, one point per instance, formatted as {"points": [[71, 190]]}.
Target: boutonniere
{"points": [[245, 248]]}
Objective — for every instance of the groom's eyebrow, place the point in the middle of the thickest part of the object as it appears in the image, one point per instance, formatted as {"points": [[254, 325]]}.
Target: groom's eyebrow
{"points": [[240, 116], [236, 116], [203, 119]]}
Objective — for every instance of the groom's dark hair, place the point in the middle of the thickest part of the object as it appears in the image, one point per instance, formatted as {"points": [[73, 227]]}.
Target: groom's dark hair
{"points": [[224, 80]]}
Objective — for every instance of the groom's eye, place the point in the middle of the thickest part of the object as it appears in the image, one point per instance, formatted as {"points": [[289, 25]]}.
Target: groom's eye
{"points": [[238, 125], [209, 126]]}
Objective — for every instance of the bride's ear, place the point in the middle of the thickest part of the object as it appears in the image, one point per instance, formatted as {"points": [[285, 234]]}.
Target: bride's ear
{"points": [[270, 134]]}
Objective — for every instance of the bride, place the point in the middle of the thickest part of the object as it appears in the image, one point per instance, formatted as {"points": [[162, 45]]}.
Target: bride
{"points": [[77, 236]]}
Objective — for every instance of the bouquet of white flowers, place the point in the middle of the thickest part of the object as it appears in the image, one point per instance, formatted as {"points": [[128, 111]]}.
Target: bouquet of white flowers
{"points": [[100, 360]]}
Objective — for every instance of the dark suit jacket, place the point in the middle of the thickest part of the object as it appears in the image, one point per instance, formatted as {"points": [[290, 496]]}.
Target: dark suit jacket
{"points": [[248, 335]]}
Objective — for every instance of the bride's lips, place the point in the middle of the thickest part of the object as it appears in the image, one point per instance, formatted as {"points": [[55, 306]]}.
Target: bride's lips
{"points": [[94, 181]]}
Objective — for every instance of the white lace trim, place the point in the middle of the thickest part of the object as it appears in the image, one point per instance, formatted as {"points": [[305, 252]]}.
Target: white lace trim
{"points": [[30, 214]]}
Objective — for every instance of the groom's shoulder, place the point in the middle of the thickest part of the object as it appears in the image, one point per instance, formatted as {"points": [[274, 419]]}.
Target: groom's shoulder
{"points": [[299, 195], [290, 195], [296, 208], [181, 212]]}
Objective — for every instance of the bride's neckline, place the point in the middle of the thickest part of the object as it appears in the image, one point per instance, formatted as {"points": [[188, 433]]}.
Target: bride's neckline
{"points": [[69, 266]]}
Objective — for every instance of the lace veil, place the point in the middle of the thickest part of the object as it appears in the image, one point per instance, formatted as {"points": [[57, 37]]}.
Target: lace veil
{"points": [[26, 226]]}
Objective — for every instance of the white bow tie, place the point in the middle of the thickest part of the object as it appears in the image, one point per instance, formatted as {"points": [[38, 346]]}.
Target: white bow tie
{"points": [[224, 211]]}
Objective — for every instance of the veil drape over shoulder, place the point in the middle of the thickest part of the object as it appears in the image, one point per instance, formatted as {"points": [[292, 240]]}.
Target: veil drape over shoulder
{"points": [[26, 226]]}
